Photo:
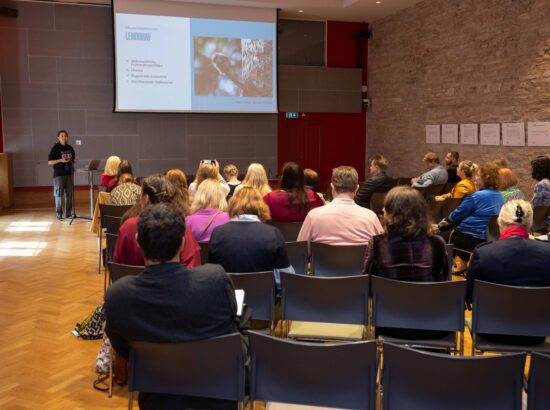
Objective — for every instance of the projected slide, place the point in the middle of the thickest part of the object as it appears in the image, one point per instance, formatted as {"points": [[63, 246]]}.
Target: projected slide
{"points": [[180, 64]]}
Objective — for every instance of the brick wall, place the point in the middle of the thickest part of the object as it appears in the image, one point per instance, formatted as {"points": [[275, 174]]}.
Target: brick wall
{"points": [[458, 61]]}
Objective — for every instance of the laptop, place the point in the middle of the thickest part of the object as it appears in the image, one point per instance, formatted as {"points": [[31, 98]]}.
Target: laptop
{"points": [[93, 165]]}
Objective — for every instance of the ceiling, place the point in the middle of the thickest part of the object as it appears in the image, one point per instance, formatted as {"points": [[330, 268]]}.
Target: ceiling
{"points": [[341, 10]]}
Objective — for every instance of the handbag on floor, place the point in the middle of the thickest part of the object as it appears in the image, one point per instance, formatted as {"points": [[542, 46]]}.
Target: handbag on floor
{"points": [[92, 326]]}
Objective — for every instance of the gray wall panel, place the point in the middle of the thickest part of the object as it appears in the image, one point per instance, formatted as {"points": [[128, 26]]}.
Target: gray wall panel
{"points": [[64, 79], [42, 69]]}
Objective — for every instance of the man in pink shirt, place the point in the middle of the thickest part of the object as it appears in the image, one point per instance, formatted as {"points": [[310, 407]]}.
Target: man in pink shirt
{"points": [[342, 222]]}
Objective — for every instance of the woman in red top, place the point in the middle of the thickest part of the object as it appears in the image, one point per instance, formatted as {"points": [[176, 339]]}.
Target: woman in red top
{"points": [[155, 189], [109, 173], [293, 201]]}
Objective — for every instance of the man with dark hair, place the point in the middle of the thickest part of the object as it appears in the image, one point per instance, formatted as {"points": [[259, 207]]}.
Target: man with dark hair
{"points": [[378, 182], [62, 157], [168, 302], [341, 222], [451, 161]]}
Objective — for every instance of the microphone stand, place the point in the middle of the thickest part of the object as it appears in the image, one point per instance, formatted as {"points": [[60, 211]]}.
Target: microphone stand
{"points": [[74, 215]]}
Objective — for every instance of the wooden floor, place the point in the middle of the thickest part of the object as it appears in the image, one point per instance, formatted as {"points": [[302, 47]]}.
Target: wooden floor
{"points": [[49, 282]]}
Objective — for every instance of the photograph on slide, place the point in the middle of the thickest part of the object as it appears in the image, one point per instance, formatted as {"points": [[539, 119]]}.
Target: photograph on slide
{"points": [[233, 67]]}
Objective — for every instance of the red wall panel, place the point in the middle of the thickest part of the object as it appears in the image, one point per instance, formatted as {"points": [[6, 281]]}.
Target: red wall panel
{"points": [[341, 137]]}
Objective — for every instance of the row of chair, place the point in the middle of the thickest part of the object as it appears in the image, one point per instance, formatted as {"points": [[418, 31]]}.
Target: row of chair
{"points": [[336, 375], [379, 303]]}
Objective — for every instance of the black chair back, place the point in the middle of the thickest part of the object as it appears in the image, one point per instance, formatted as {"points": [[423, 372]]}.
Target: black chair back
{"points": [[111, 244], [337, 260], [540, 215], [112, 224], [330, 300], [118, 270], [403, 181], [418, 380], [448, 187], [259, 293], [377, 202], [212, 368], [435, 306], [434, 190], [313, 374], [112, 210], [290, 230], [204, 252], [538, 391], [510, 310], [297, 255], [493, 231]]}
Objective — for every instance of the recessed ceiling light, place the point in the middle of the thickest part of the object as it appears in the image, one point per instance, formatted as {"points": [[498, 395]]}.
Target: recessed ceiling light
{"points": [[300, 11], [378, 2]]}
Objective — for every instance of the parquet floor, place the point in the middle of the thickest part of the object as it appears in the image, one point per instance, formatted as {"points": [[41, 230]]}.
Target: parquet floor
{"points": [[48, 282]]}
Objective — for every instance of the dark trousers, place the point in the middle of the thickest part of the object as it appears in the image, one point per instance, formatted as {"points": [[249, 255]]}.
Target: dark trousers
{"points": [[462, 241], [63, 184]]}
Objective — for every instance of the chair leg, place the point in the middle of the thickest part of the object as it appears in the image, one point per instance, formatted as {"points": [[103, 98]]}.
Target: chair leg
{"points": [[473, 344], [111, 372], [130, 400], [99, 238]]}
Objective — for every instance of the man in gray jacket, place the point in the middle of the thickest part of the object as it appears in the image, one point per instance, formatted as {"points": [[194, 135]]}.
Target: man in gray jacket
{"points": [[435, 175]]}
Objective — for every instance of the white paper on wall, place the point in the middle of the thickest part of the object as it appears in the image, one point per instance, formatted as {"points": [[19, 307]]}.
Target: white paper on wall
{"points": [[513, 134], [489, 134], [449, 134], [538, 134], [433, 134], [468, 134]]}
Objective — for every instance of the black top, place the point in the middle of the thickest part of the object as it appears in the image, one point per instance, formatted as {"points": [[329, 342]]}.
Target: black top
{"points": [[514, 261], [377, 183], [242, 247], [231, 190], [59, 151], [451, 172]]}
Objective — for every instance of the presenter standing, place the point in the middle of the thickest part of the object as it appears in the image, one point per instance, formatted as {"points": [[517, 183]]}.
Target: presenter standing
{"points": [[62, 157]]}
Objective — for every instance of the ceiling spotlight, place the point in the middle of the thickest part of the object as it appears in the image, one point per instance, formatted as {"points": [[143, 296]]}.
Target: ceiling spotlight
{"points": [[300, 11], [378, 2]]}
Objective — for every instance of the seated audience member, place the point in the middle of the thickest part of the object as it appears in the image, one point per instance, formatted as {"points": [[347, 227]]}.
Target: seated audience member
{"points": [[378, 182], [181, 199], [207, 210], [341, 222], [255, 177], [540, 170], [154, 189], [168, 302], [508, 185], [123, 168], [127, 192], [408, 249], [435, 174], [513, 260], [246, 243], [207, 171], [465, 186], [471, 217], [231, 173], [292, 201], [110, 172], [501, 162], [311, 181], [451, 161]]}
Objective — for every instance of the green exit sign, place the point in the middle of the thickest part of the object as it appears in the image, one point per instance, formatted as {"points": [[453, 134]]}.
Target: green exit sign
{"points": [[292, 115]]}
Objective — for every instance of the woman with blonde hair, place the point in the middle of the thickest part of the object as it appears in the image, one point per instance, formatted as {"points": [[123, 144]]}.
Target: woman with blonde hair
{"points": [[256, 177], [181, 199], [246, 243], [231, 174], [110, 172], [207, 170], [207, 210], [466, 186]]}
